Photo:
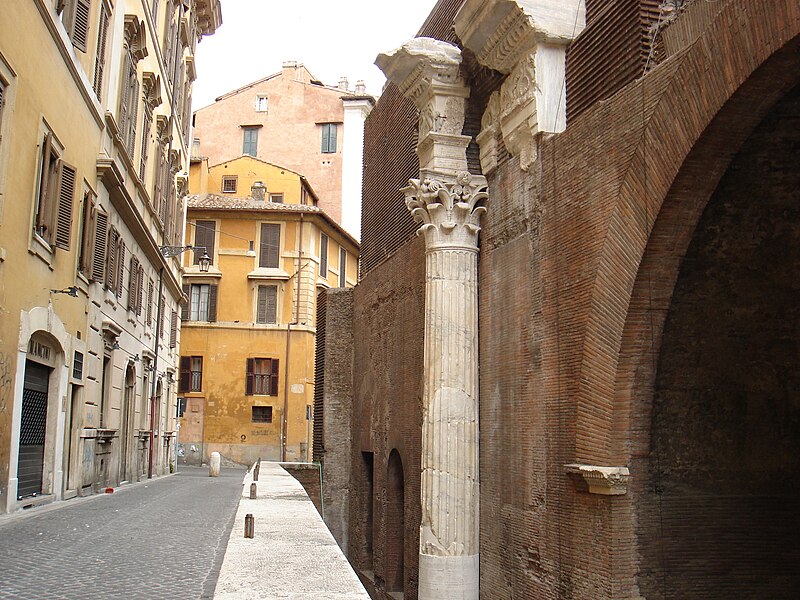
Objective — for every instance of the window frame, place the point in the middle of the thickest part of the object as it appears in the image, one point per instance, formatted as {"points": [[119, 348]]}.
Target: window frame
{"points": [[205, 236], [230, 179], [279, 196], [324, 242], [251, 144], [190, 379], [267, 311], [261, 376], [329, 138], [264, 260], [199, 306], [259, 99], [262, 419], [342, 266]]}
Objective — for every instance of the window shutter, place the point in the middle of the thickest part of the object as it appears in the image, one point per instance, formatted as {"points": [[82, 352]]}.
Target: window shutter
{"points": [[323, 255], [270, 245], [212, 303], [98, 268], [80, 23], [111, 259], [139, 290], [185, 374], [124, 101], [267, 304], [249, 377], [43, 224], [120, 279], [161, 310], [67, 176], [100, 58], [133, 276], [134, 111], [332, 139], [204, 237], [147, 123], [185, 305], [273, 380], [150, 290], [173, 329]]}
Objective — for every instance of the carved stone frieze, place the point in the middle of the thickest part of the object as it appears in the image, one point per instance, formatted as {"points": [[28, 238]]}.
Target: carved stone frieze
{"points": [[151, 90], [135, 36]]}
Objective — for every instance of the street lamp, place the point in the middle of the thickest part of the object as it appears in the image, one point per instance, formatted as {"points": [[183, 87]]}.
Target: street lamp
{"points": [[204, 262]]}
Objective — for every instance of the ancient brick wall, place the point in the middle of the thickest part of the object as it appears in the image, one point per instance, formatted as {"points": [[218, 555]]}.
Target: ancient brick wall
{"points": [[388, 319]]}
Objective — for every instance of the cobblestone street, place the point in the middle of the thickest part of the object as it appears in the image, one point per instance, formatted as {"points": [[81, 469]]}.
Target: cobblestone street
{"points": [[161, 539]]}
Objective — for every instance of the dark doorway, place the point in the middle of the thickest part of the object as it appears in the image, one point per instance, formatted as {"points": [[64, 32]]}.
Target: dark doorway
{"points": [[32, 430], [395, 524]]}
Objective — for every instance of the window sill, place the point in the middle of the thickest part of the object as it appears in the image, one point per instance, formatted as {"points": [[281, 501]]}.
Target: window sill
{"points": [[194, 271], [267, 273], [41, 249]]}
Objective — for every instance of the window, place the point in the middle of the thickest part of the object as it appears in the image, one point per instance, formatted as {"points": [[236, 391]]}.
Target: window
{"points": [[267, 304], [202, 305], [229, 184], [262, 377], [204, 237], [173, 329], [342, 267], [47, 198], [262, 414], [190, 378], [249, 140], [195, 147], [88, 216], [135, 286], [77, 365], [270, 245], [100, 56], [199, 302], [75, 16], [129, 104], [276, 198], [262, 103], [329, 138], [323, 255]]}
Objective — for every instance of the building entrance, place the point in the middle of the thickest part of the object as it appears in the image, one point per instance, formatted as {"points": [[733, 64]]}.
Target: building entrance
{"points": [[32, 430]]}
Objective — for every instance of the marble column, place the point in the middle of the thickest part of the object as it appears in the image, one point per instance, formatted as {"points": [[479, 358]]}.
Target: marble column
{"points": [[448, 202]]}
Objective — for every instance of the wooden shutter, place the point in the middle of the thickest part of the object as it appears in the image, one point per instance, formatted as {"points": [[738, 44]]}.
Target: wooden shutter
{"points": [[98, 268], [133, 276], [87, 233], [204, 237], [147, 122], [111, 258], [212, 303], [139, 290], [161, 311], [273, 380], [67, 176], [100, 58], [134, 111], [267, 304], [270, 245], [79, 23], [187, 291], [124, 101], [173, 329], [332, 139], [249, 377], [150, 290], [44, 210], [120, 279], [323, 255], [185, 374]]}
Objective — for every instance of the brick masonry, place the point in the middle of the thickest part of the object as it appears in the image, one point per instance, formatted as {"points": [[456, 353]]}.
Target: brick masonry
{"points": [[651, 221]]}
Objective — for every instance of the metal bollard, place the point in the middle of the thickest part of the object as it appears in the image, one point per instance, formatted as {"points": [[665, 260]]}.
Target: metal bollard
{"points": [[253, 490], [249, 526], [256, 469]]}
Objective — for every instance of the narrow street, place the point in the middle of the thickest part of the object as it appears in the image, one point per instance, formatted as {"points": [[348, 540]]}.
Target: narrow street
{"points": [[161, 539]]}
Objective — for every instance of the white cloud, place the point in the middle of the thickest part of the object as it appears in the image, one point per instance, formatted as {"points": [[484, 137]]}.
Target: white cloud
{"points": [[332, 39]]}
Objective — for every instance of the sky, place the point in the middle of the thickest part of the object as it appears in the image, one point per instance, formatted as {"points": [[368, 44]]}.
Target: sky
{"points": [[332, 38]]}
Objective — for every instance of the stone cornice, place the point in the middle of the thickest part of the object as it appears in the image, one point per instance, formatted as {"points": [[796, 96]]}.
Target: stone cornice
{"points": [[606, 481], [449, 214], [502, 32]]}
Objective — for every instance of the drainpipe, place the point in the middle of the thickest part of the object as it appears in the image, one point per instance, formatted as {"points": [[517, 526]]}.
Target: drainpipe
{"points": [[159, 319], [297, 274]]}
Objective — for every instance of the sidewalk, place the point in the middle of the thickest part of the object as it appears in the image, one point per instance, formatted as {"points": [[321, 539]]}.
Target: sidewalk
{"points": [[292, 556]]}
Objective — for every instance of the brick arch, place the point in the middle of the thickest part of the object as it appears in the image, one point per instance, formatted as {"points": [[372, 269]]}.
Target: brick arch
{"points": [[726, 82]]}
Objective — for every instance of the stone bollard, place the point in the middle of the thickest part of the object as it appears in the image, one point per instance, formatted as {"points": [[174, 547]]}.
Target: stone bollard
{"points": [[214, 464], [256, 470], [249, 526], [253, 491]]}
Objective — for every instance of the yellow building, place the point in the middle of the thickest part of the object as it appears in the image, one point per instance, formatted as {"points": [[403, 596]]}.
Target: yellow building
{"points": [[248, 331], [94, 122]]}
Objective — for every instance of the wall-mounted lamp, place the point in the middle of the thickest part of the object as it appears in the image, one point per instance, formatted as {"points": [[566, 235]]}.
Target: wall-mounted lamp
{"points": [[70, 291], [204, 261]]}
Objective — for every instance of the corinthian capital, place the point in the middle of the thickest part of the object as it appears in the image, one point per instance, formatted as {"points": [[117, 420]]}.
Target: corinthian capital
{"points": [[449, 213]]}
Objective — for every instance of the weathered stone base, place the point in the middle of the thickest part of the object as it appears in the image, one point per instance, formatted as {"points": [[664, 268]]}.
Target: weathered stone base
{"points": [[448, 577]]}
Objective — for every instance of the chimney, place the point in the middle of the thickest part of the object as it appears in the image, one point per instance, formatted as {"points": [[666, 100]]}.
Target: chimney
{"points": [[361, 88], [258, 191], [290, 69], [343, 84]]}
